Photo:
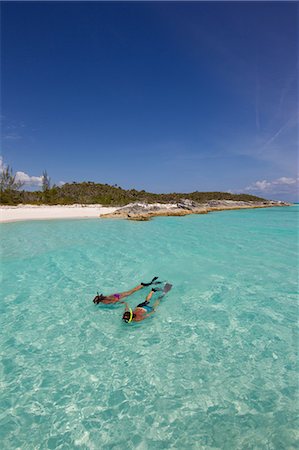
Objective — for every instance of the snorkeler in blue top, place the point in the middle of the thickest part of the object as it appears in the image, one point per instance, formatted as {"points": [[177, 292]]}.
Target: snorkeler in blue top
{"points": [[144, 309]]}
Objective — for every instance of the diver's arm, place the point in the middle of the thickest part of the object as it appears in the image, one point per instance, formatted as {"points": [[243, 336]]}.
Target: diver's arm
{"points": [[148, 314], [126, 306]]}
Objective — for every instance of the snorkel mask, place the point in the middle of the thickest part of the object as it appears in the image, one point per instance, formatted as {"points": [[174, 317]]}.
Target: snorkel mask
{"points": [[98, 298], [126, 318]]}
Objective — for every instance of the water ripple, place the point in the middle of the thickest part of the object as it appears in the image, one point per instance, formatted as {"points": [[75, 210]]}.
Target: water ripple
{"points": [[217, 367]]}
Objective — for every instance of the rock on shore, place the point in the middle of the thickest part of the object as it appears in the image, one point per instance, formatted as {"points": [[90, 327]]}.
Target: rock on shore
{"points": [[145, 211]]}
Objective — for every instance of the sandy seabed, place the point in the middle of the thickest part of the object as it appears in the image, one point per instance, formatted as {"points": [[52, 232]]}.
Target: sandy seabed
{"points": [[46, 212]]}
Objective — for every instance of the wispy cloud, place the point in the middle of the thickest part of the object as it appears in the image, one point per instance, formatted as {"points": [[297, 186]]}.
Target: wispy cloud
{"points": [[12, 129], [293, 121], [278, 146], [257, 100], [11, 136], [286, 89]]}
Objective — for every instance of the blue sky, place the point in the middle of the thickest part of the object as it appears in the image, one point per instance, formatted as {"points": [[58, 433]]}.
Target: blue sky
{"points": [[158, 96]]}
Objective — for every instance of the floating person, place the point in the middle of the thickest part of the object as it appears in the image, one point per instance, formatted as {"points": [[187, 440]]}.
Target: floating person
{"points": [[115, 298], [144, 310]]}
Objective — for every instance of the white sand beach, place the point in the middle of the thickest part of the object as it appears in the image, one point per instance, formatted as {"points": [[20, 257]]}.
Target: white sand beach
{"points": [[46, 212], [132, 211]]}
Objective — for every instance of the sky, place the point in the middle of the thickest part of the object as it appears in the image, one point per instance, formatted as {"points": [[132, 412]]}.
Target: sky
{"points": [[160, 96]]}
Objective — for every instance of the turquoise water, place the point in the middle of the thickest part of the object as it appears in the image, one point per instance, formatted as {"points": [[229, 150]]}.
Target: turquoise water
{"points": [[216, 367]]}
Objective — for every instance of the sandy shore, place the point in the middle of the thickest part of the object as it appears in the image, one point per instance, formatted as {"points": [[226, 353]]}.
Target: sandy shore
{"points": [[45, 212], [133, 211]]}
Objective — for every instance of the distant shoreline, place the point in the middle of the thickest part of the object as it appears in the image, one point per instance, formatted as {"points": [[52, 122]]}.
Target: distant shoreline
{"points": [[145, 211], [135, 211]]}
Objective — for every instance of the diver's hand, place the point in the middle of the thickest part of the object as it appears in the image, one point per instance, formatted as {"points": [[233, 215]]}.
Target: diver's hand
{"points": [[126, 306]]}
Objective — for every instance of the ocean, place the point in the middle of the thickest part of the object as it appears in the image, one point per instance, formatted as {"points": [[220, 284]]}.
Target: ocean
{"points": [[215, 368]]}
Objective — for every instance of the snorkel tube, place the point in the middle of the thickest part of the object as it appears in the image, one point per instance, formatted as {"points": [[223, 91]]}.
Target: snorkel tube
{"points": [[128, 312], [131, 315]]}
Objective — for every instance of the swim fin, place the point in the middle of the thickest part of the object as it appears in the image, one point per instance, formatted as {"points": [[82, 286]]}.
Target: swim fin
{"points": [[151, 282], [167, 288]]}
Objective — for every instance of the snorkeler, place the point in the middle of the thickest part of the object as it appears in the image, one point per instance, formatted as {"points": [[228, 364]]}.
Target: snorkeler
{"points": [[114, 298], [144, 310]]}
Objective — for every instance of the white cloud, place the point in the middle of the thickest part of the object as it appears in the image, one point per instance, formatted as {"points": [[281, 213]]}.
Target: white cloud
{"points": [[29, 180], [282, 184], [23, 177], [285, 180], [259, 186]]}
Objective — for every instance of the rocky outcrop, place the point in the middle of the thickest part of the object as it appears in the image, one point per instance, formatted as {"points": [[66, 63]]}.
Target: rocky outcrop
{"points": [[145, 211]]}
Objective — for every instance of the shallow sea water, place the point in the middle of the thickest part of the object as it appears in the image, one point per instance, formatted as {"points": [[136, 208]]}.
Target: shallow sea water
{"points": [[215, 368]]}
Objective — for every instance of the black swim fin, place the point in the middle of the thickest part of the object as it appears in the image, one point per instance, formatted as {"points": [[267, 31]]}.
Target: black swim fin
{"points": [[152, 282]]}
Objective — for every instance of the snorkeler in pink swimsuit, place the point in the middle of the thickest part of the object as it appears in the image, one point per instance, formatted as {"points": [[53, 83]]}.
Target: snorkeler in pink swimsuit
{"points": [[114, 298]]}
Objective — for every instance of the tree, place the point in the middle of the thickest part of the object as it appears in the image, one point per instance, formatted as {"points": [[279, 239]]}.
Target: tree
{"points": [[8, 181], [46, 181]]}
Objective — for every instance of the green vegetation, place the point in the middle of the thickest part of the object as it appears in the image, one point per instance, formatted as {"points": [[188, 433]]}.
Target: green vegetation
{"points": [[9, 186], [91, 193], [46, 187], [46, 181]]}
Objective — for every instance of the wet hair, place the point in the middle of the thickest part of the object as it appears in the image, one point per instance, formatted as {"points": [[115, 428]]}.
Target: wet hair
{"points": [[126, 316], [98, 298]]}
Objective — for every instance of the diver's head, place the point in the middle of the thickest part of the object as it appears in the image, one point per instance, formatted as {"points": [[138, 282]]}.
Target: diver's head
{"points": [[128, 316], [99, 298]]}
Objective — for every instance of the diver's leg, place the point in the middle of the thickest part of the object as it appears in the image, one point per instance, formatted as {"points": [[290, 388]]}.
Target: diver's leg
{"points": [[130, 292], [122, 295], [149, 296]]}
